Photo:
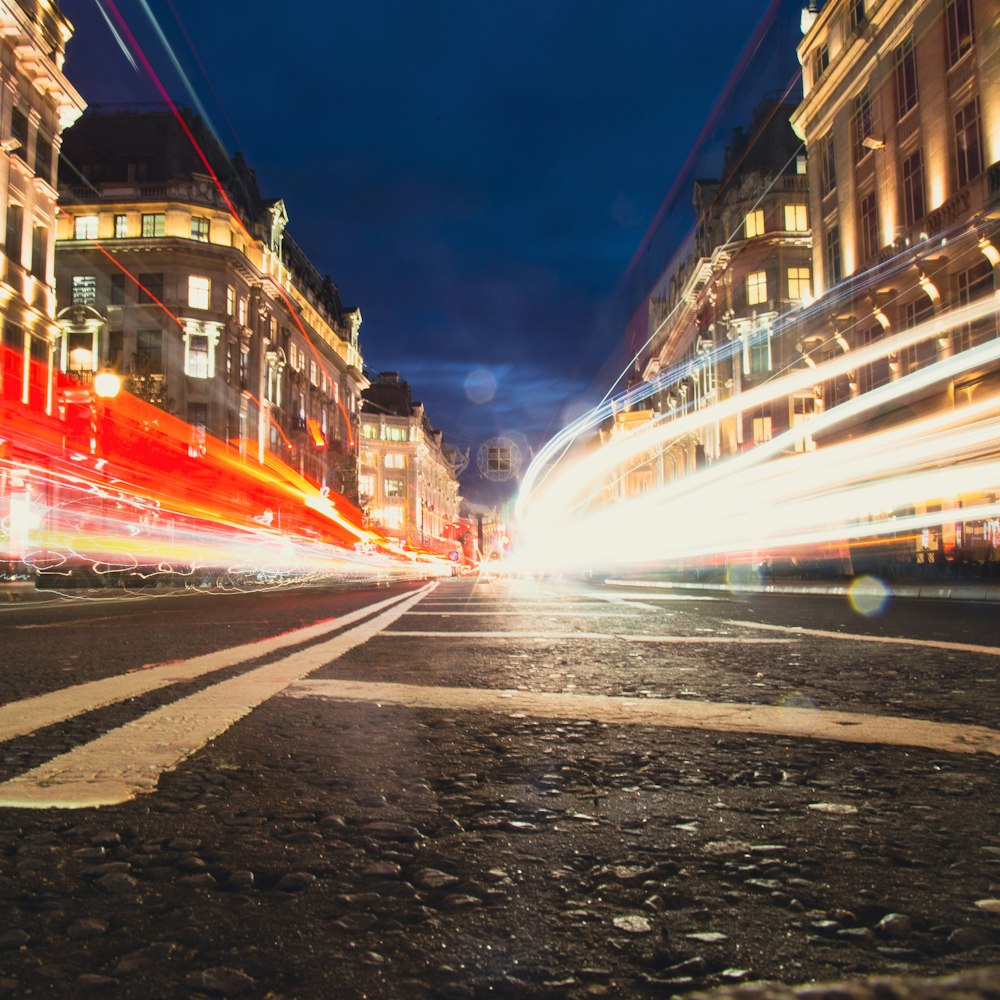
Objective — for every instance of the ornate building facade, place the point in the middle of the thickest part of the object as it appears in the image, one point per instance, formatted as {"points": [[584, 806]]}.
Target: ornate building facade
{"points": [[407, 471], [189, 286]]}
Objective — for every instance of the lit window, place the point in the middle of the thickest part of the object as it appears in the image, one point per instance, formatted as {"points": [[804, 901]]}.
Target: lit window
{"points": [[313, 372], [862, 124], [395, 460], [369, 431], [199, 228], [199, 292], [800, 164], [366, 485], [396, 434], [761, 429], [241, 308], [84, 290], [395, 488], [197, 356], [757, 288], [754, 223], [154, 225], [390, 517], [798, 283], [121, 227], [796, 219], [85, 227], [230, 300]]}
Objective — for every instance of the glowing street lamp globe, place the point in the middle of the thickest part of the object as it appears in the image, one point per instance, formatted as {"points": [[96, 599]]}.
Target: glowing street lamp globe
{"points": [[107, 385]]}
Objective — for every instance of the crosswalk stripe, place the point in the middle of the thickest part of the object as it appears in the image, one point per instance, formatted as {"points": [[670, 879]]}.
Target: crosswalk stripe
{"points": [[129, 760]]}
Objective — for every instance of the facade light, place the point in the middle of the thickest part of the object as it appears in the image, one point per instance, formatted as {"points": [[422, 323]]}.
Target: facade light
{"points": [[989, 251], [107, 384], [930, 288]]}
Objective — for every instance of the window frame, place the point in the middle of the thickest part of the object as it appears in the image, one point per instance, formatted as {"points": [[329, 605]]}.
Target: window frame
{"points": [[153, 225], [756, 288], [757, 228], [199, 295], [85, 227]]}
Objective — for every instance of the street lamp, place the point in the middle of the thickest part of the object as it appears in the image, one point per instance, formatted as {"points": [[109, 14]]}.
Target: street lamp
{"points": [[107, 384]]}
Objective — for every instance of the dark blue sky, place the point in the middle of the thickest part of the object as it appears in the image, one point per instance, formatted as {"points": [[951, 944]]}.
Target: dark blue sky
{"points": [[475, 176]]}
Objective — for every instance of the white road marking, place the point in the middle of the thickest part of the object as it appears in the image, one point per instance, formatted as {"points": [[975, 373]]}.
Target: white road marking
{"points": [[695, 639], [521, 614], [661, 597], [802, 723], [960, 647], [30, 714]]}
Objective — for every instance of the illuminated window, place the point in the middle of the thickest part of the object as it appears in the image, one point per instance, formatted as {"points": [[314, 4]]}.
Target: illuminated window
{"points": [[913, 188], [369, 431], [154, 225], [199, 228], [757, 288], [798, 283], [84, 290], [968, 149], [313, 372], [395, 488], [753, 225], [197, 417], [831, 257], [151, 284], [906, 77], [761, 430], [803, 409], [958, 15], [796, 219], [121, 227], [390, 517], [801, 163], [396, 434], [230, 300], [85, 227], [394, 460], [869, 226], [366, 485], [241, 311], [197, 355], [199, 292]]}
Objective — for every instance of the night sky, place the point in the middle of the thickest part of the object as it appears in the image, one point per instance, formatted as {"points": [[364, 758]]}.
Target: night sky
{"points": [[475, 176]]}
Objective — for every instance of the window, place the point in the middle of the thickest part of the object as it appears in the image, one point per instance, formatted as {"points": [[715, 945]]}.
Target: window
{"points": [[43, 157], [15, 231], [958, 16], [39, 250], [230, 300], [199, 228], [116, 339], [831, 257], [972, 284], [80, 351], [869, 227], [395, 488], [19, 131], [85, 227], [150, 285], [968, 150], [906, 77], [862, 124], [241, 311], [366, 485], [802, 410], [84, 290], [828, 177], [924, 352], [801, 163], [137, 171], [153, 225], [913, 188], [149, 351], [757, 288], [820, 61], [798, 283], [199, 292], [796, 219], [390, 517], [394, 460], [397, 434], [871, 376], [117, 289], [197, 417], [197, 356], [313, 372], [369, 431], [121, 227], [858, 16], [761, 430], [754, 223]]}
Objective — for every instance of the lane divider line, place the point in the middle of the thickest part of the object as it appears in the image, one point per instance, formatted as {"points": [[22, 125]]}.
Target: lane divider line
{"points": [[708, 640], [768, 720], [961, 647], [19, 718], [129, 760]]}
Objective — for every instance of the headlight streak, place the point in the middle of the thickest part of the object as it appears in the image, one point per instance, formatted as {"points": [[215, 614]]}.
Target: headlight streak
{"points": [[757, 501]]}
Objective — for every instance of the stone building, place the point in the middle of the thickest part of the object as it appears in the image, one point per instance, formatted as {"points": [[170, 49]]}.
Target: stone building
{"points": [[37, 103], [190, 287], [407, 472], [901, 119]]}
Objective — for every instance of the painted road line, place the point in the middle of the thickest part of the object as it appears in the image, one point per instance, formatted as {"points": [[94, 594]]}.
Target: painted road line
{"points": [[128, 761], [521, 614], [707, 640], [31, 714], [958, 647], [769, 720]]}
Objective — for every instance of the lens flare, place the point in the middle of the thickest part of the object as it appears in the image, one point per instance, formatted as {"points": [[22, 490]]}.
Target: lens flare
{"points": [[868, 596]]}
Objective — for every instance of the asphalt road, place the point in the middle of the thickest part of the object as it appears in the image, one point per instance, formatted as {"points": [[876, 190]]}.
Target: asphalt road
{"points": [[503, 788]]}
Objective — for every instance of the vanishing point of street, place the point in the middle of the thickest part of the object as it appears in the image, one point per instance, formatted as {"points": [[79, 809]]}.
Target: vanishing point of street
{"points": [[493, 788]]}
